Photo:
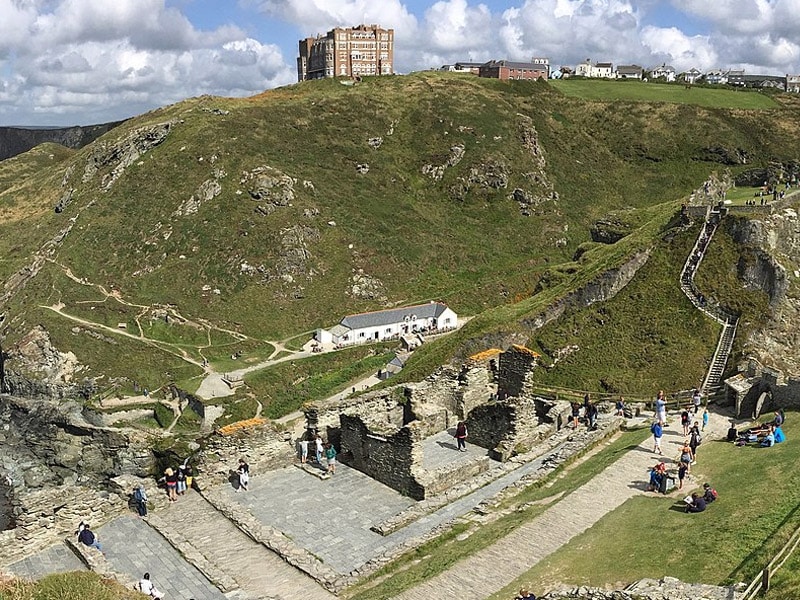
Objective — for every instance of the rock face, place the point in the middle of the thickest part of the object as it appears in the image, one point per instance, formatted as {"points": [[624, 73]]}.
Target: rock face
{"points": [[772, 265], [121, 154], [16, 140]]}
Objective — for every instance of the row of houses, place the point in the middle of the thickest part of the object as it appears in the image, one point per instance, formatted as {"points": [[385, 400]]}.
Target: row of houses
{"points": [[539, 68], [665, 72]]}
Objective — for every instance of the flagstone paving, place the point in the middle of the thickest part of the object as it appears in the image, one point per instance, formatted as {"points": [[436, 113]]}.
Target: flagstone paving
{"points": [[55, 559]]}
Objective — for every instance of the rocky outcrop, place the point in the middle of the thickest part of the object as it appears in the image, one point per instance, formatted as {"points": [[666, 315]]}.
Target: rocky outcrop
{"points": [[667, 588], [770, 262], [16, 140], [207, 190], [269, 187], [366, 287], [436, 172], [610, 229], [119, 155]]}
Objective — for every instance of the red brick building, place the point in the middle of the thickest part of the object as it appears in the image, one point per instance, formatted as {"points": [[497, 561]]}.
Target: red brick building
{"points": [[506, 69], [347, 52]]}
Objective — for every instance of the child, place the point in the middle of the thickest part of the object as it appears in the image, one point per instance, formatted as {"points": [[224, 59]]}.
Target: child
{"points": [[682, 474], [705, 419]]}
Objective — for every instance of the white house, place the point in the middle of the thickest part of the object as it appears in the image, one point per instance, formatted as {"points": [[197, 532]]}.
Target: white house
{"points": [[587, 69], [692, 75], [389, 324], [629, 72], [665, 72]]}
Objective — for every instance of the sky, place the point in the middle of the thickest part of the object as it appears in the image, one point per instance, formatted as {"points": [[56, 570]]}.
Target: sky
{"points": [[78, 62]]}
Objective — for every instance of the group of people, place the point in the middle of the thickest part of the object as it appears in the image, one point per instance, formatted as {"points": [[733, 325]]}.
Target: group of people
{"points": [[590, 412], [177, 481], [321, 449], [765, 435]]}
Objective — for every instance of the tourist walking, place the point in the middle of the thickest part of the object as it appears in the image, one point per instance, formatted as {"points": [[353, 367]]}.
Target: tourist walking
{"points": [[695, 439], [181, 488], [303, 451], [243, 471], [697, 399], [657, 432], [687, 456], [591, 416], [461, 436], [661, 408], [171, 481], [620, 406], [705, 418], [147, 587], [140, 498], [330, 458], [318, 449], [685, 421], [576, 414]]}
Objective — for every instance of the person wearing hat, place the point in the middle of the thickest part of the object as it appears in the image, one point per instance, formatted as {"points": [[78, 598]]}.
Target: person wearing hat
{"points": [[171, 479]]}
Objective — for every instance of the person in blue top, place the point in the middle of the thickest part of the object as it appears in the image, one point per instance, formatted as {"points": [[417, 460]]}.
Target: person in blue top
{"points": [[779, 435], [657, 432], [769, 440]]}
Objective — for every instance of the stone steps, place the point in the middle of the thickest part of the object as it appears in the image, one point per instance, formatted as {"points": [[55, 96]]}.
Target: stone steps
{"points": [[230, 558]]}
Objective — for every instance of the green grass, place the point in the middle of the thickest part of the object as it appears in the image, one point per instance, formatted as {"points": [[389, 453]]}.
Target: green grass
{"points": [[67, 586], [285, 387], [443, 552], [238, 410], [604, 90], [730, 542]]}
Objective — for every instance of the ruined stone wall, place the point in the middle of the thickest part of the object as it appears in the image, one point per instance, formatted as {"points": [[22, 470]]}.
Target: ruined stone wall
{"points": [[386, 458], [515, 366], [476, 385], [262, 446]]}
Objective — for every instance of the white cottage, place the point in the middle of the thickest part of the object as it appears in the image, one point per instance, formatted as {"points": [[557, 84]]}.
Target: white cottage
{"points": [[389, 324]]}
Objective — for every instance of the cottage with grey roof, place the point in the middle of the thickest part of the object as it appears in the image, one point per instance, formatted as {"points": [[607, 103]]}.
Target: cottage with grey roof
{"points": [[389, 324]]}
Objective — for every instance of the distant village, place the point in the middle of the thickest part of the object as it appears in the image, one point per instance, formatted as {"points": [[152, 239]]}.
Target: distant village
{"points": [[369, 50]]}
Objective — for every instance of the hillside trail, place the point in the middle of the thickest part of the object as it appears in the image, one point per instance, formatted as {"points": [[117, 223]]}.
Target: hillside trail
{"points": [[489, 570]]}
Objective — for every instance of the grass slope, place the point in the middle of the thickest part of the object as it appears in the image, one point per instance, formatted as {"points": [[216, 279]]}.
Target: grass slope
{"points": [[456, 239]]}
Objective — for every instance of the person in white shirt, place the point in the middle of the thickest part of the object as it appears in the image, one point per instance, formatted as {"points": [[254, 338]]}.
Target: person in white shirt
{"points": [[146, 587]]}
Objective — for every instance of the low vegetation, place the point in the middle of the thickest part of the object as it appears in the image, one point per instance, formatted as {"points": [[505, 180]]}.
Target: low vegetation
{"points": [[754, 516], [67, 586]]}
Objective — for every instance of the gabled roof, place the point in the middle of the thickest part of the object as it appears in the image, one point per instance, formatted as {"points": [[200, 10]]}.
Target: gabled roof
{"points": [[468, 65], [516, 65], [604, 65], [393, 315], [629, 69]]}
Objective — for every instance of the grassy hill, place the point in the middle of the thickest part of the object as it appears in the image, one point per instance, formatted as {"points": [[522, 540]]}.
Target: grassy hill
{"points": [[255, 220]]}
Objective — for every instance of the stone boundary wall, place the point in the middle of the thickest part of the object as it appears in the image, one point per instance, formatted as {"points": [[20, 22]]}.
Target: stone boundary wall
{"points": [[667, 588], [580, 441]]}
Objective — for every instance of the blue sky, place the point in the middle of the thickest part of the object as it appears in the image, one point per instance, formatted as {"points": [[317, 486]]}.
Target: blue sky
{"points": [[65, 62]]}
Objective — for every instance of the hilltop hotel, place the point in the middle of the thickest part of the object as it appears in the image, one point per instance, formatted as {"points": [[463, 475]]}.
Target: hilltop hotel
{"points": [[347, 52]]}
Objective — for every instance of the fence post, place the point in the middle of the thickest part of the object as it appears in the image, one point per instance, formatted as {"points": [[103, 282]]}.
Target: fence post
{"points": [[765, 580]]}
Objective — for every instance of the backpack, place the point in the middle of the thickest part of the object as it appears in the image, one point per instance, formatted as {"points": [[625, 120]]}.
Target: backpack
{"points": [[698, 438], [653, 428]]}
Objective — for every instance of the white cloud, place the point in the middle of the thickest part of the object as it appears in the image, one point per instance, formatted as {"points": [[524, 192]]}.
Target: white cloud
{"points": [[106, 60]]}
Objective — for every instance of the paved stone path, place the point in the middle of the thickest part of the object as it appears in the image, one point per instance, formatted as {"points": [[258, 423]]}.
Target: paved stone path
{"points": [[133, 548], [491, 569], [441, 449], [257, 570], [55, 559]]}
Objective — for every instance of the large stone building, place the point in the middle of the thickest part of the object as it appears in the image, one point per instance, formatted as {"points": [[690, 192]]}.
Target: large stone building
{"points": [[506, 69], [347, 52]]}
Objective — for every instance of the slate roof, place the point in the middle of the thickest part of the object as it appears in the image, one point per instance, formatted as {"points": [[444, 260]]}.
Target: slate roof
{"points": [[393, 315], [516, 65]]}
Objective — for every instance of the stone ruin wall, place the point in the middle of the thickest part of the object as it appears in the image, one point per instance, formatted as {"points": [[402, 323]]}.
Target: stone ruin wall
{"points": [[389, 458], [259, 443]]}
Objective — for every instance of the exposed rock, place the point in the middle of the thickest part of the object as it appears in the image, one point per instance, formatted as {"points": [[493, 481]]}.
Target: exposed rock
{"points": [[16, 140], [35, 354], [65, 199], [269, 185], [366, 287], [362, 168], [125, 152], [208, 190], [610, 229], [723, 155], [436, 172], [375, 142]]}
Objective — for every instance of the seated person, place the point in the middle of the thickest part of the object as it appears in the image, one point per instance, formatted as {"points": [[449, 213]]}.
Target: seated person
{"points": [[87, 537], [768, 441], [657, 475], [698, 504], [758, 430], [524, 594], [709, 493], [733, 433], [779, 435]]}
